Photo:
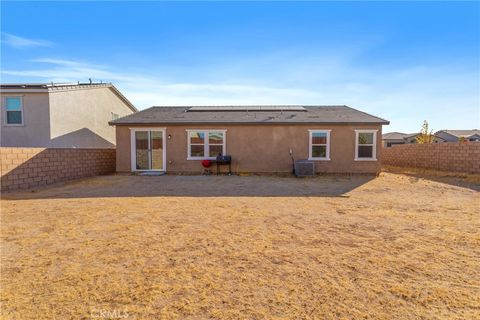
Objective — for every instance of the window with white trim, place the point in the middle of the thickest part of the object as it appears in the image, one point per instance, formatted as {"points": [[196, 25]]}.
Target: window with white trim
{"points": [[205, 144], [319, 145], [365, 144], [13, 110]]}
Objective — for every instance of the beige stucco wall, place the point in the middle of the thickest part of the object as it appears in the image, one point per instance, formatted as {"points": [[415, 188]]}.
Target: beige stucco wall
{"points": [[79, 118], [35, 131], [64, 119], [261, 148]]}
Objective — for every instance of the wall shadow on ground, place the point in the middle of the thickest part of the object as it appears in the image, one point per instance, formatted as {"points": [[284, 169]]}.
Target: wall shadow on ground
{"points": [[198, 186], [458, 179]]}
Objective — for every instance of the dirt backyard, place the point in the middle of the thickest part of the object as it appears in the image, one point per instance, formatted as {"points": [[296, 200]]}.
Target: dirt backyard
{"points": [[205, 247]]}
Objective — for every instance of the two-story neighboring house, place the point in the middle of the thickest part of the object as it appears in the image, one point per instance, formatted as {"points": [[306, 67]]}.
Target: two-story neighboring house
{"points": [[61, 115]]}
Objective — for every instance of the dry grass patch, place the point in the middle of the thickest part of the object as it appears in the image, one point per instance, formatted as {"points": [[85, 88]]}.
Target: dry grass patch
{"points": [[395, 247]]}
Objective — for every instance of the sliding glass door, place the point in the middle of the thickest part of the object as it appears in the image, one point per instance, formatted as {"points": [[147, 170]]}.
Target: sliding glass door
{"points": [[142, 157], [156, 150], [148, 150]]}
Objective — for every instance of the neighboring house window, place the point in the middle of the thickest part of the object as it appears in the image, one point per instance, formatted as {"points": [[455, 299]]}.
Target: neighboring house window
{"points": [[319, 148], [205, 144], [365, 144], [115, 116], [13, 110]]}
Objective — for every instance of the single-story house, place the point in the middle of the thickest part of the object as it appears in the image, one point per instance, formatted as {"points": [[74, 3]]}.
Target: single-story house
{"points": [[458, 135], [262, 139], [61, 115], [392, 138]]}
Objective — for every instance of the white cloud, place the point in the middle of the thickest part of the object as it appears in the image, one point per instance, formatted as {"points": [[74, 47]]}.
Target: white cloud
{"points": [[405, 96], [62, 62], [145, 91], [21, 42]]}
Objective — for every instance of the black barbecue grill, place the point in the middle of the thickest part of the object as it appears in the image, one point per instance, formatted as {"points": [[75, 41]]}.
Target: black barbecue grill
{"points": [[224, 160]]}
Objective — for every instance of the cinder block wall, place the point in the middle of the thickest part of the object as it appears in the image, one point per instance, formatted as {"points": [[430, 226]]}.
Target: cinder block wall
{"points": [[23, 168], [450, 156]]}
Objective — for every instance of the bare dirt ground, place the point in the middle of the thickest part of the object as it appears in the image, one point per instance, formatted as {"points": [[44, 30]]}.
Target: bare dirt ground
{"points": [[177, 247]]}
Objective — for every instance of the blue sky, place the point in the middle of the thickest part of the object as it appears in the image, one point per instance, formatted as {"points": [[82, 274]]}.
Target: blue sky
{"points": [[403, 61]]}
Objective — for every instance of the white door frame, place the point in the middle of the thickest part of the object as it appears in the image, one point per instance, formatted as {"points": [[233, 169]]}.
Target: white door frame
{"points": [[133, 159]]}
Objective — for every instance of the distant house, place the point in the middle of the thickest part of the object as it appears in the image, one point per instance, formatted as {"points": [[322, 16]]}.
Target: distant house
{"points": [[392, 138], [61, 115], [258, 138], [456, 135]]}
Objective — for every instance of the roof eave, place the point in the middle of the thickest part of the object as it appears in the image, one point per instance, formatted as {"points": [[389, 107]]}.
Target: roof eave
{"points": [[122, 97], [21, 90]]}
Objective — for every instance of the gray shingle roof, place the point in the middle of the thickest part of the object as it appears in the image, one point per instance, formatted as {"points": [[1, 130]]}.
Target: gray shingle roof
{"points": [[394, 135], [461, 133], [254, 115]]}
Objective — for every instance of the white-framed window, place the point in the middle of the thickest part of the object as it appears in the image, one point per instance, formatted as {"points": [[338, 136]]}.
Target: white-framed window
{"points": [[366, 145], [13, 106], [205, 144], [115, 116], [319, 145]]}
